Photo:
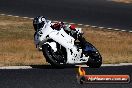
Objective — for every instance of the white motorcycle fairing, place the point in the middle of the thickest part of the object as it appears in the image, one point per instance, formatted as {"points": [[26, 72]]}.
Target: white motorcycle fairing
{"points": [[74, 56]]}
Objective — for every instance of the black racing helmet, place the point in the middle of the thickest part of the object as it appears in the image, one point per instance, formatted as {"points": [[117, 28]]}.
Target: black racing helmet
{"points": [[38, 22]]}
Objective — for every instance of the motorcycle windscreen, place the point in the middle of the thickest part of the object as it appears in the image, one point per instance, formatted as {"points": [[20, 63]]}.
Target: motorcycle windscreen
{"points": [[89, 47]]}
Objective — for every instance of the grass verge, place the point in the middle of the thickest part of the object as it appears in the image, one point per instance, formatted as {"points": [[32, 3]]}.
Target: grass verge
{"points": [[16, 42], [17, 45], [115, 46], [123, 1]]}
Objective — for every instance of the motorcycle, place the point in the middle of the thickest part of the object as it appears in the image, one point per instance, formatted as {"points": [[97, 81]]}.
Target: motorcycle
{"points": [[60, 48]]}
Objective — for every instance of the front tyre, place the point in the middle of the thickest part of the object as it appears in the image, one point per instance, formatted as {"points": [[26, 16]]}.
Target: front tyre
{"points": [[94, 62], [56, 59], [95, 59]]}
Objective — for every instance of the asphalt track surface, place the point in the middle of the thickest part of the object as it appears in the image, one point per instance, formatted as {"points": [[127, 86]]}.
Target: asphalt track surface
{"points": [[92, 12], [49, 77]]}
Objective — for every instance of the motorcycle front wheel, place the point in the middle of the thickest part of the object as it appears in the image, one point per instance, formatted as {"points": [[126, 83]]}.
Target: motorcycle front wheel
{"points": [[95, 59], [56, 59]]}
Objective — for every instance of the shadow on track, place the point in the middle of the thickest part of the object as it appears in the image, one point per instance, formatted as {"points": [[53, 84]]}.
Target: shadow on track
{"points": [[53, 67]]}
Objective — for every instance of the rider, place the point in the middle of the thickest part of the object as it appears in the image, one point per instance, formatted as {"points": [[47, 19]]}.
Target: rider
{"points": [[40, 22]]}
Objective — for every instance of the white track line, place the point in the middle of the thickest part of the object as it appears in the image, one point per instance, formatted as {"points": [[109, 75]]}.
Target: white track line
{"points": [[31, 18], [94, 26], [116, 29], [123, 30], [87, 25], [16, 16], [80, 24], [74, 23], [25, 17], [109, 28], [130, 31], [16, 67], [101, 27], [29, 67], [2, 14], [107, 65], [9, 15]]}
